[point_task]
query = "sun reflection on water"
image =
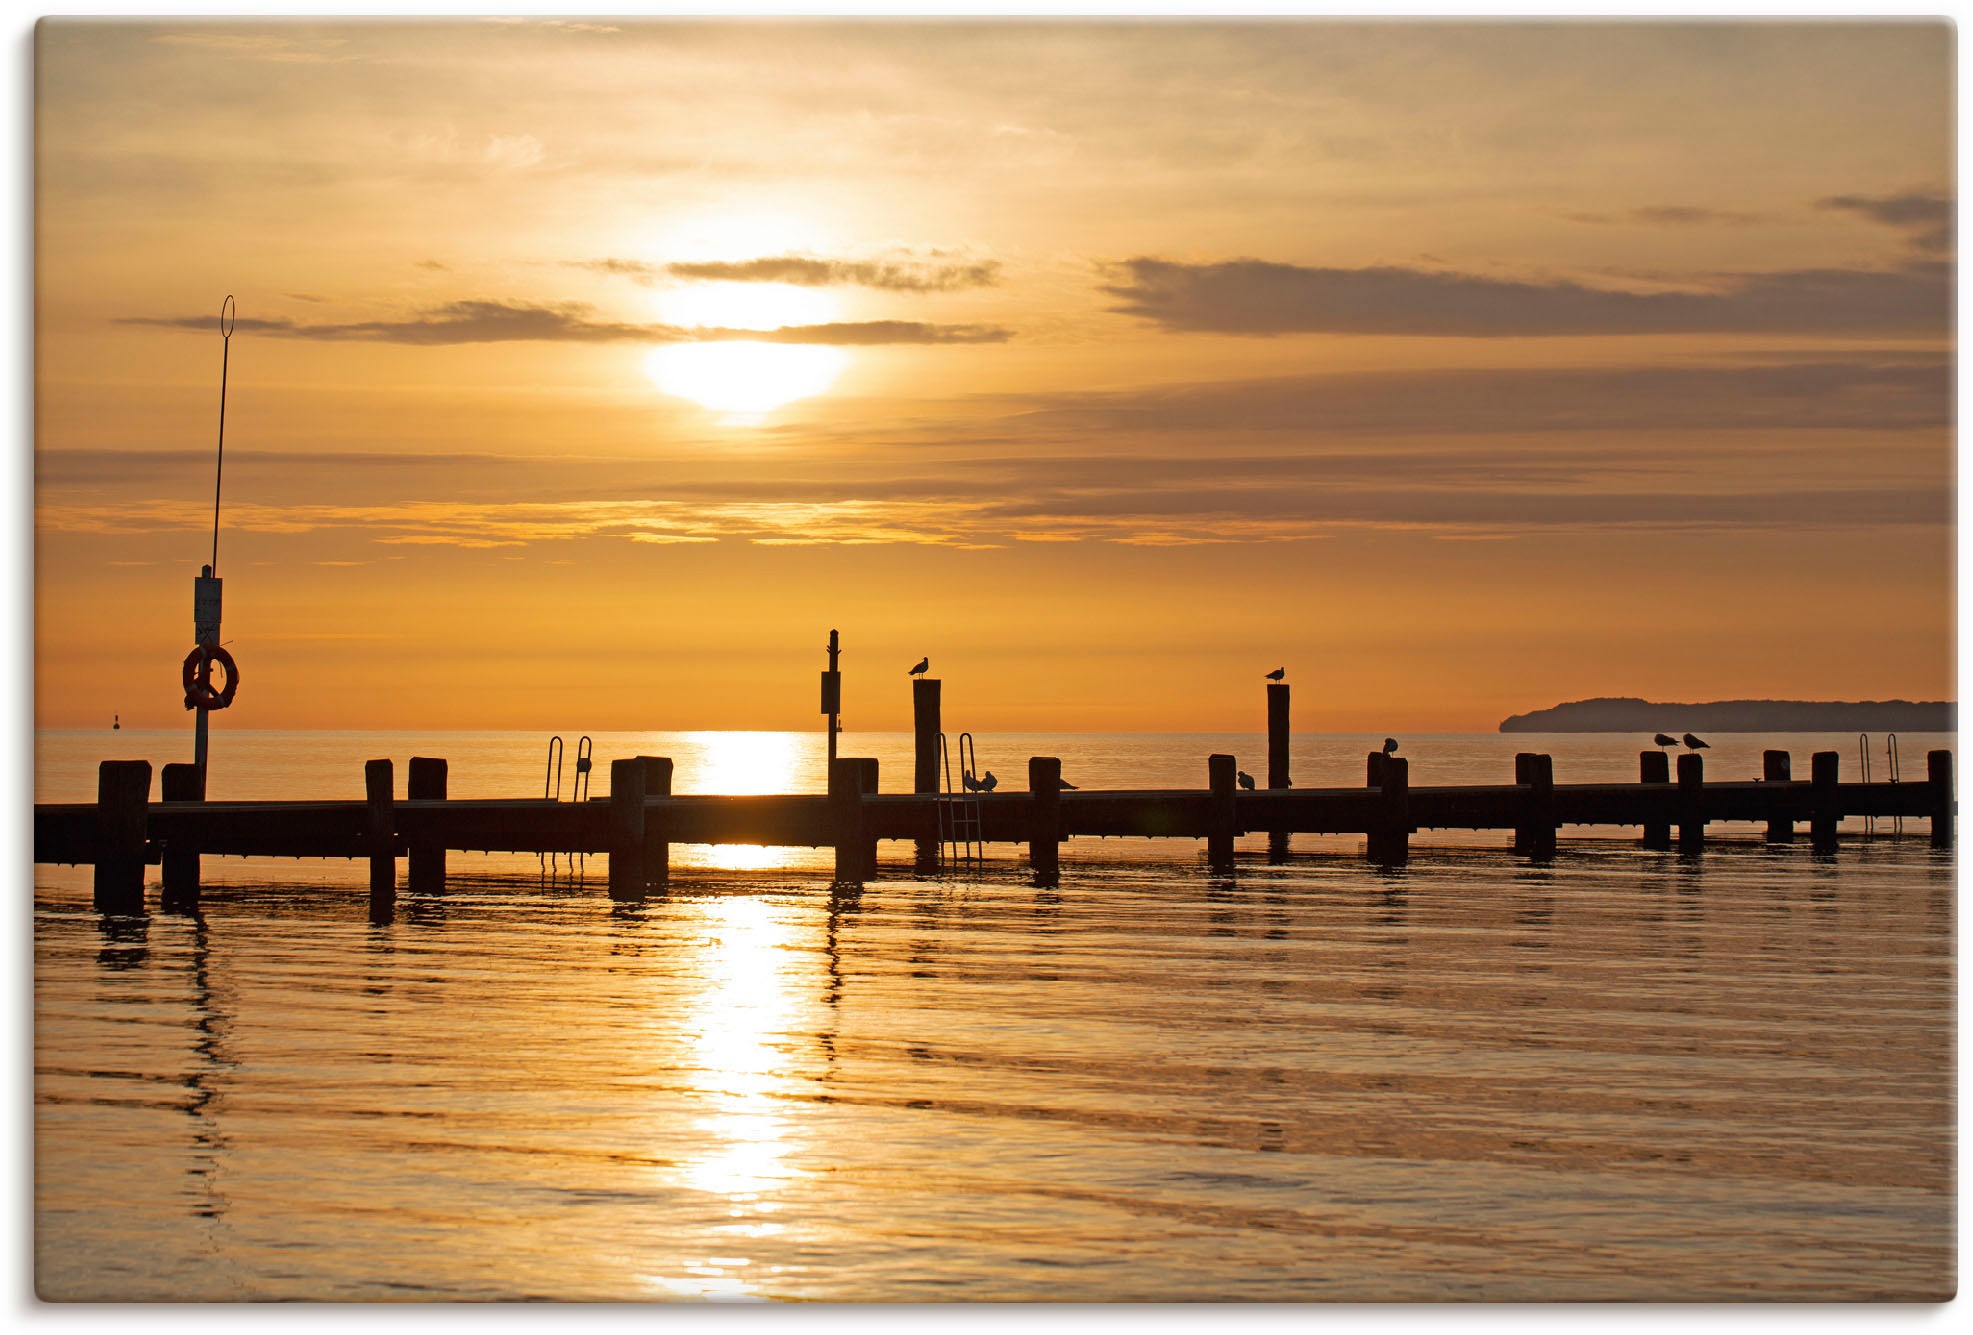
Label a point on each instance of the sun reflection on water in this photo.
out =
(740, 763)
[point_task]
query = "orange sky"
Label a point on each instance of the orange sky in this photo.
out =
(587, 374)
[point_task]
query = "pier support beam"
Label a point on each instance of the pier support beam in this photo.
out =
(123, 798)
(1824, 810)
(1524, 829)
(1045, 818)
(1691, 803)
(627, 829)
(925, 729)
(179, 867)
(380, 833)
(1390, 838)
(425, 781)
(1277, 759)
(1778, 767)
(1655, 767)
(1222, 781)
(657, 848)
(856, 852)
(1938, 774)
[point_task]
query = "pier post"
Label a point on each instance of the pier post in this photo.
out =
(1045, 818)
(1373, 770)
(1691, 802)
(657, 848)
(926, 727)
(1524, 830)
(1221, 782)
(1655, 767)
(1778, 767)
(424, 872)
(1541, 807)
(1277, 759)
(1389, 840)
(179, 867)
(1824, 810)
(1938, 773)
(856, 855)
(627, 829)
(380, 833)
(123, 797)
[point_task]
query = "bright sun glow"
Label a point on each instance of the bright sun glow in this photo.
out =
(742, 378)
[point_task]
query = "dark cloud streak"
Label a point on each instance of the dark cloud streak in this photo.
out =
(804, 271)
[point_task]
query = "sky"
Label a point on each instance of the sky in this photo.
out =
(586, 374)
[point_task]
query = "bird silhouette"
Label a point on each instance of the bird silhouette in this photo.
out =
(1390, 746)
(1277, 674)
(1695, 743)
(924, 666)
(989, 783)
(1246, 781)
(1662, 740)
(966, 779)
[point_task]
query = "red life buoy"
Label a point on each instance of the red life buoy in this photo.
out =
(197, 677)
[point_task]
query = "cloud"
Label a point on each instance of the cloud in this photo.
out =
(1669, 215)
(1257, 297)
(804, 271)
(484, 321)
(1926, 214)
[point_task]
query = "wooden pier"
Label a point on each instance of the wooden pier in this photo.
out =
(123, 830)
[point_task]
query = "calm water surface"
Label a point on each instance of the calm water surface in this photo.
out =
(1624, 1075)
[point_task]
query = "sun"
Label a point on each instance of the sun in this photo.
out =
(744, 379)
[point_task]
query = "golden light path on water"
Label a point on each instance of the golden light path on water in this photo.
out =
(742, 763)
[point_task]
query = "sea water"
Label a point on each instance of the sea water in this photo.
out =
(1624, 1074)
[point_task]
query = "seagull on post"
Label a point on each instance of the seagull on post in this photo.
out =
(1662, 740)
(1390, 746)
(1277, 674)
(1694, 743)
(924, 666)
(988, 784)
(1246, 781)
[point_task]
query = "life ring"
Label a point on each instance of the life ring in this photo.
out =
(197, 678)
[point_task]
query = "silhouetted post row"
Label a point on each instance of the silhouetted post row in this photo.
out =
(1778, 767)
(1045, 818)
(1655, 767)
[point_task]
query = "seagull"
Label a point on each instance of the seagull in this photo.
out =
(924, 666)
(1695, 743)
(1246, 781)
(966, 779)
(1277, 674)
(1390, 746)
(988, 784)
(1662, 740)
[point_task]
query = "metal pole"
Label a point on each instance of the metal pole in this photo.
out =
(226, 317)
(833, 651)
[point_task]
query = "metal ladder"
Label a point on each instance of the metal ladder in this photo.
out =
(959, 809)
(1890, 763)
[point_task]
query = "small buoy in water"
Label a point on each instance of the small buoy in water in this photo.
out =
(116, 723)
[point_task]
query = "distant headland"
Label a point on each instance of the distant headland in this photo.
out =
(1629, 714)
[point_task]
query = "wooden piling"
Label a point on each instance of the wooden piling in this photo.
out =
(657, 847)
(1045, 819)
(1938, 774)
(1222, 781)
(1691, 802)
(1655, 767)
(1541, 807)
(1389, 842)
(1373, 769)
(123, 797)
(1277, 758)
(1778, 767)
(179, 867)
(627, 829)
(856, 851)
(425, 781)
(926, 729)
(380, 834)
(1524, 829)
(1824, 810)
